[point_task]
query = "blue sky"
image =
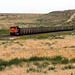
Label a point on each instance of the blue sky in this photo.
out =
(35, 6)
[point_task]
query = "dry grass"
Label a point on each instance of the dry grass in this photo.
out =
(44, 47)
(57, 18)
(30, 69)
(7, 20)
(31, 47)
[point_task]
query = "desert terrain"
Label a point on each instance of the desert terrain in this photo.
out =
(40, 54)
(21, 48)
(44, 47)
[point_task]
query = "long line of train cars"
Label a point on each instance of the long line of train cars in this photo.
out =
(15, 30)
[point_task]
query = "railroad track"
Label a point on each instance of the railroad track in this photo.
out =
(7, 37)
(13, 37)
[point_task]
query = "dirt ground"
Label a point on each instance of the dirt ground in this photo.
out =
(31, 47)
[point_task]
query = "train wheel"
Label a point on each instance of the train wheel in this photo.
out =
(12, 34)
(17, 34)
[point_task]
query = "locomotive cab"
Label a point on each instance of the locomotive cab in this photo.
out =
(14, 30)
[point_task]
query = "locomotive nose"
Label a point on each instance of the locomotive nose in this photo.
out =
(12, 29)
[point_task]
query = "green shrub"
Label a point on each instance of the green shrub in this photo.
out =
(68, 67)
(42, 36)
(38, 58)
(72, 47)
(3, 63)
(31, 69)
(65, 47)
(47, 43)
(56, 58)
(1, 68)
(72, 60)
(15, 61)
(43, 65)
(40, 20)
(65, 61)
(51, 68)
(55, 62)
(36, 63)
(45, 72)
(3, 42)
(4, 32)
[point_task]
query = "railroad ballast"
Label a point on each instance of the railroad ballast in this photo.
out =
(15, 30)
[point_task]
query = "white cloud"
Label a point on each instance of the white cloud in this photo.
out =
(35, 6)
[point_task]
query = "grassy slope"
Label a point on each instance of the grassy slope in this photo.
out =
(57, 35)
(54, 60)
(4, 32)
(55, 18)
(21, 20)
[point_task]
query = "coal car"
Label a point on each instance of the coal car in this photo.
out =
(15, 30)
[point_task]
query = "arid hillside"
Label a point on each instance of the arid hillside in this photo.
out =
(56, 18)
(17, 19)
(39, 54)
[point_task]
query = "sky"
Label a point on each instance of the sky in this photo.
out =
(35, 6)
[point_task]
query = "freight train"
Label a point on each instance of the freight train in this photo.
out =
(15, 30)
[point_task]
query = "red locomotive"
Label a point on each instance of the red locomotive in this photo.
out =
(14, 30)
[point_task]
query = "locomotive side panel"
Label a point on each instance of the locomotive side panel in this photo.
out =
(34, 30)
(49, 29)
(37, 30)
(73, 27)
(23, 31)
(53, 29)
(28, 30)
(46, 29)
(20, 31)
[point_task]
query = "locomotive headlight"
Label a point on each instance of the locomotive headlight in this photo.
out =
(12, 28)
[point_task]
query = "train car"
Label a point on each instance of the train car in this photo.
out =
(15, 30)
(73, 27)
